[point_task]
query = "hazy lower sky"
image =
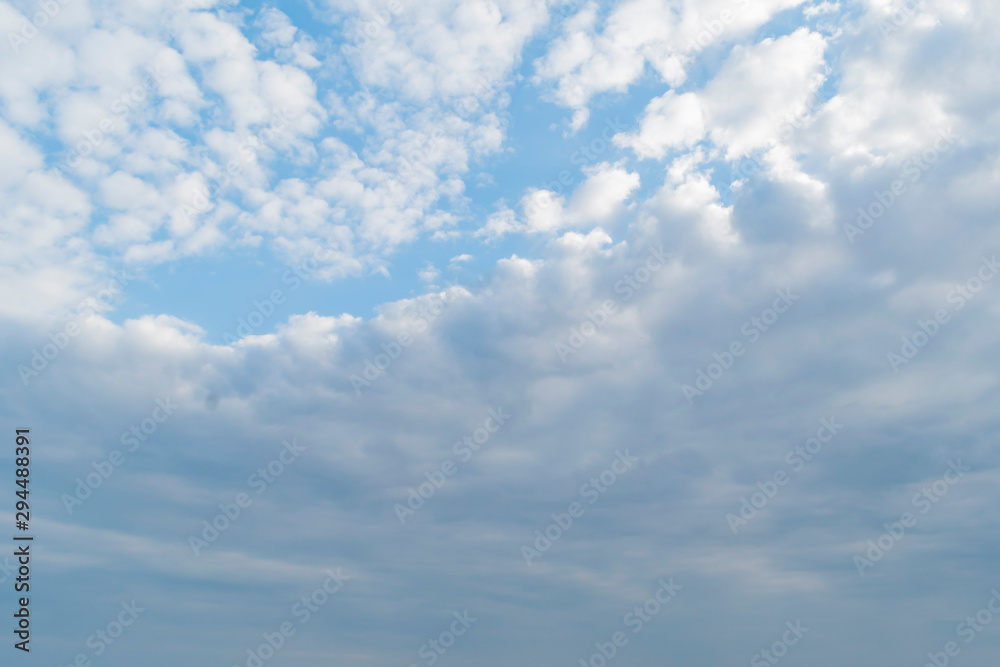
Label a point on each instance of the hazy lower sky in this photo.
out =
(503, 332)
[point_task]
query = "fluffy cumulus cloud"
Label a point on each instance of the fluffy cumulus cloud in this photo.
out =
(353, 318)
(607, 49)
(745, 106)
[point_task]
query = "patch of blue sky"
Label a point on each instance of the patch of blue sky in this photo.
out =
(538, 150)
(216, 291)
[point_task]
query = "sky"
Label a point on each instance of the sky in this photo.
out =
(382, 333)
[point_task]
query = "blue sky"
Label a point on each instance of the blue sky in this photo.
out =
(393, 394)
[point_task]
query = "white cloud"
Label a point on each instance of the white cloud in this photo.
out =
(598, 54)
(743, 107)
(669, 121)
(599, 199)
(389, 167)
(429, 273)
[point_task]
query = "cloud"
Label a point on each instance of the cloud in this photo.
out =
(586, 314)
(744, 107)
(599, 199)
(598, 53)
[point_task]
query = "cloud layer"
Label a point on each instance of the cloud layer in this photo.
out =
(769, 287)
